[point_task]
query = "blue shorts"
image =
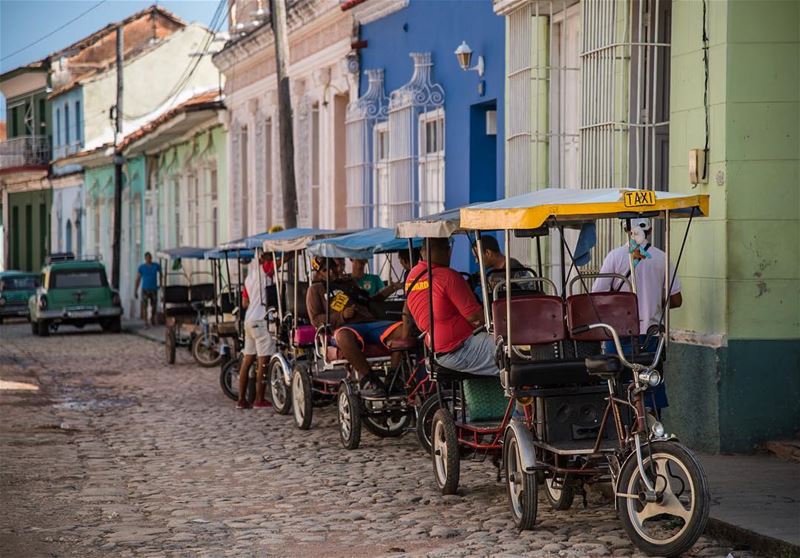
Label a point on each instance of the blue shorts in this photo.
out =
(370, 333)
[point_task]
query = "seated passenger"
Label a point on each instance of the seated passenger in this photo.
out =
(495, 263)
(345, 306)
(456, 314)
(370, 282)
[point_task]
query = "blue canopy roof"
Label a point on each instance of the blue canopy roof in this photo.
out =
(359, 245)
(187, 252)
(232, 253)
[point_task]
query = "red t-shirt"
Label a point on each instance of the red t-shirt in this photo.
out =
(453, 301)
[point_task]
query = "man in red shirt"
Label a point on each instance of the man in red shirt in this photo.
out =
(456, 314)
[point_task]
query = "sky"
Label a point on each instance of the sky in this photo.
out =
(23, 22)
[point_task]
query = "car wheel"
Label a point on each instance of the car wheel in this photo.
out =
(35, 328)
(44, 328)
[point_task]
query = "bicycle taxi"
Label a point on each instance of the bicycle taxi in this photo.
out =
(294, 336)
(392, 410)
(228, 271)
(583, 420)
(187, 299)
(471, 408)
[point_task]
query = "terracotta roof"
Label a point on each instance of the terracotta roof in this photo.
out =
(203, 101)
(112, 27)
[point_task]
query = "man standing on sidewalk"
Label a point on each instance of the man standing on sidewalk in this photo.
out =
(258, 342)
(148, 277)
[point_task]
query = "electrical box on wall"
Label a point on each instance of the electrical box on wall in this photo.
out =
(698, 172)
(491, 122)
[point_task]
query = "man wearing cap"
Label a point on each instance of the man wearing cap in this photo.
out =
(644, 265)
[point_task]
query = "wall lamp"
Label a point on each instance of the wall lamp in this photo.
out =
(464, 55)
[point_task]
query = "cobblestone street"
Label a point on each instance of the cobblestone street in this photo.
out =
(118, 454)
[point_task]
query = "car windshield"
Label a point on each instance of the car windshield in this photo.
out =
(67, 279)
(22, 283)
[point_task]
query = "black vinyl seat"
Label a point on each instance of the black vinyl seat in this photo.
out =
(548, 373)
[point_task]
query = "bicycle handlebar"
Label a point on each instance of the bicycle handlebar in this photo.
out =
(618, 344)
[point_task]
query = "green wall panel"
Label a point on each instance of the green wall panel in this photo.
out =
(764, 309)
(763, 190)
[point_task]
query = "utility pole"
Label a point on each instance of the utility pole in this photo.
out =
(281, 34)
(115, 256)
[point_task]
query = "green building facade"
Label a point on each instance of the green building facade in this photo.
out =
(734, 375)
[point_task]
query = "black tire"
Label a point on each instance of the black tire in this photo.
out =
(280, 393)
(425, 421)
(560, 497)
(44, 328)
(169, 345)
(348, 417)
(34, 328)
(685, 473)
(388, 427)
(445, 454)
(207, 356)
(302, 398)
(229, 378)
(521, 487)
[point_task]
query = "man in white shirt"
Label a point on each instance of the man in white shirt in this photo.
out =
(258, 341)
(649, 266)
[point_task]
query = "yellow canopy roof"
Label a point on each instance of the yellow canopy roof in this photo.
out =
(533, 210)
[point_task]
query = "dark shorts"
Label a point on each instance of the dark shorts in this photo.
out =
(150, 295)
(371, 333)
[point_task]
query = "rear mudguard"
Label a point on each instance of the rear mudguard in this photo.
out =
(525, 442)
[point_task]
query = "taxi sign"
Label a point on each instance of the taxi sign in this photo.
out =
(639, 198)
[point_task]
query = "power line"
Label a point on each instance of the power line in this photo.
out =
(53, 32)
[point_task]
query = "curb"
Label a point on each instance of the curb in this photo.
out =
(769, 546)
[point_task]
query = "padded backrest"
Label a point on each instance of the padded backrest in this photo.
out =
(176, 294)
(227, 302)
(202, 292)
(302, 288)
(535, 319)
(620, 310)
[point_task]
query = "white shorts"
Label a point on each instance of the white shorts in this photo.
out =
(257, 339)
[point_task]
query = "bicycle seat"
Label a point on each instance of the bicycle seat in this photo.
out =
(605, 366)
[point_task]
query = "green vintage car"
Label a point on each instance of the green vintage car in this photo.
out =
(74, 292)
(16, 287)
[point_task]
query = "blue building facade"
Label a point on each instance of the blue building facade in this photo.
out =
(425, 135)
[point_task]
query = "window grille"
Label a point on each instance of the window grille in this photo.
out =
(362, 171)
(315, 161)
(235, 195)
(259, 205)
(244, 146)
(303, 156)
(588, 98)
(431, 162)
(214, 205)
(382, 214)
(420, 95)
